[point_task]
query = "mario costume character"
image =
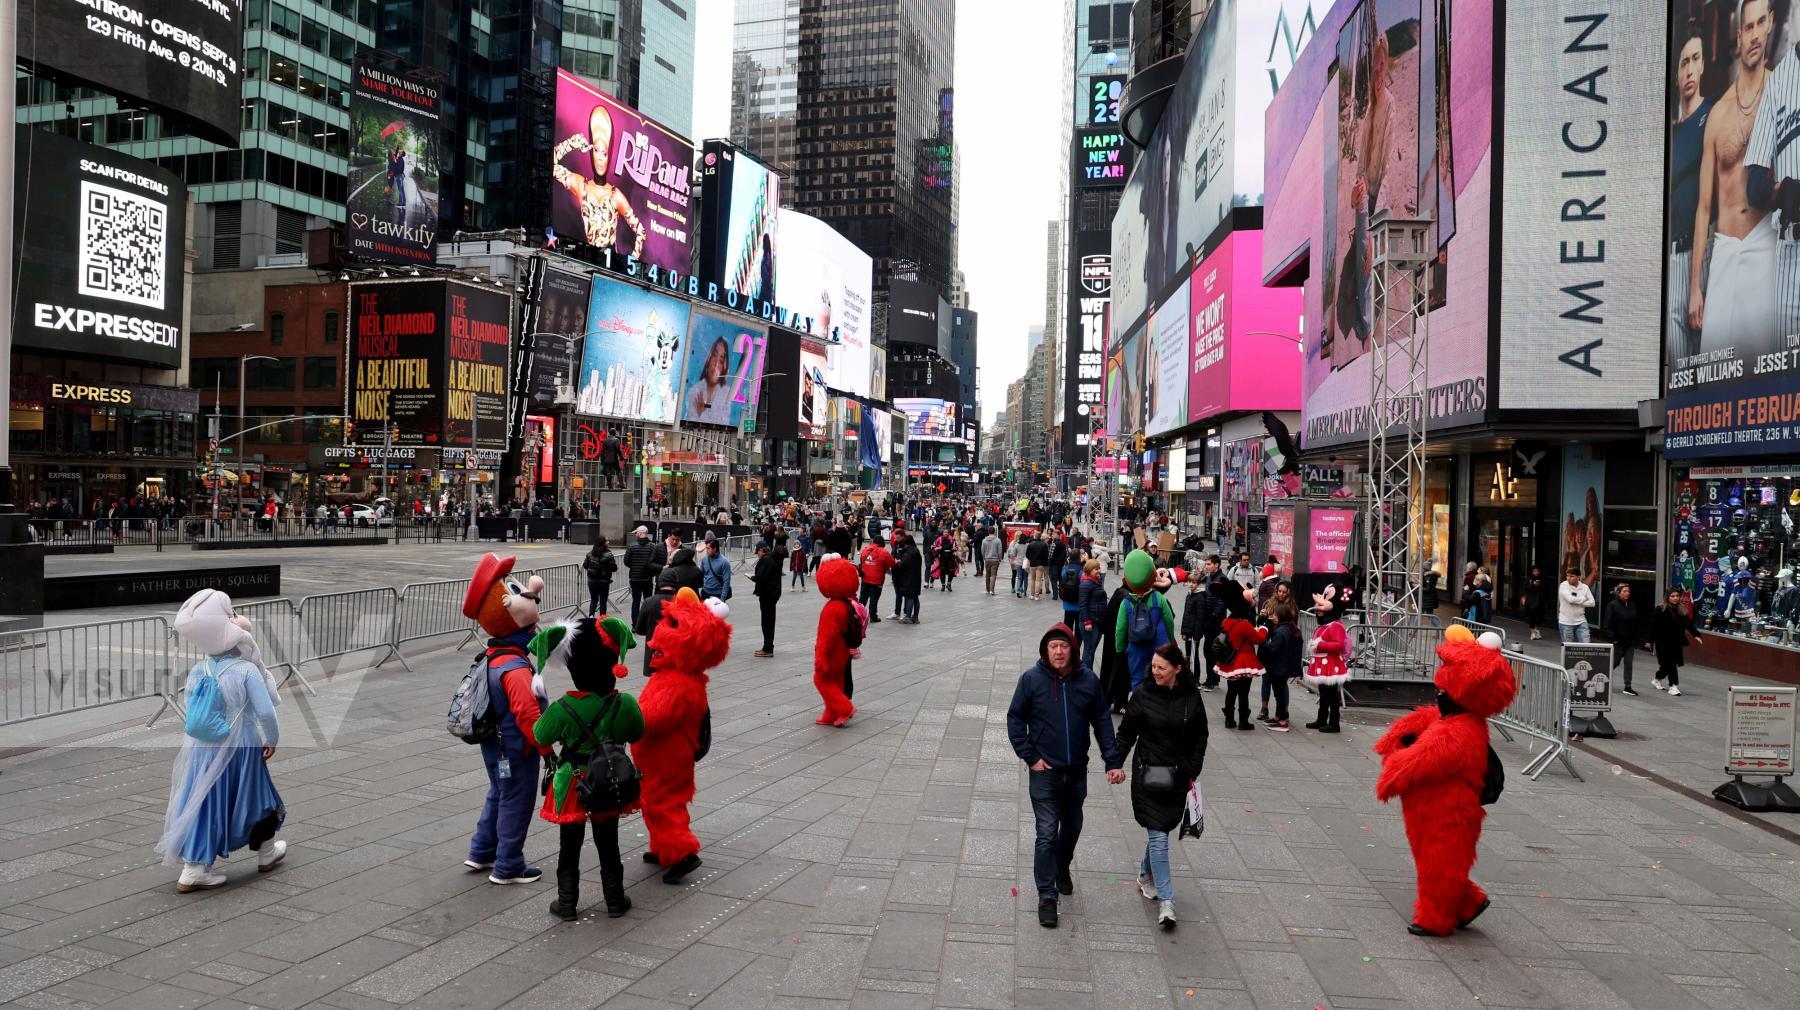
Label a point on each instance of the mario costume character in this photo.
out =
(507, 610)
(1437, 761)
(1145, 622)
(840, 633)
(595, 712)
(1241, 630)
(692, 637)
(1328, 670)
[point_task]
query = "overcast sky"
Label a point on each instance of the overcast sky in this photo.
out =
(1008, 129)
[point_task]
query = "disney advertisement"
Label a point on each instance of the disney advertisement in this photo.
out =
(624, 182)
(632, 359)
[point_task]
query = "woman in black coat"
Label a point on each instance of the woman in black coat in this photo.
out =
(1669, 629)
(1166, 723)
(1115, 676)
(908, 567)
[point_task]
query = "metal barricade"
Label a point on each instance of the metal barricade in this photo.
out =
(564, 586)
(54, 671)
(430, 609)
(337, 624)
(276, 627)
(1478, 628)
(1541, 711)
(1400, 649)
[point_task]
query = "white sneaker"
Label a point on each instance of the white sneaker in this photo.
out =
(1674, 692)
(198, 877)
(1536, 635)
(1147, 887)
(1660, 684)
(1165, 915)
(271, 853)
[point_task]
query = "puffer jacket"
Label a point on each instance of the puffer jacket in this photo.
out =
(1166, 726)
(643, 559)
(1090, 603)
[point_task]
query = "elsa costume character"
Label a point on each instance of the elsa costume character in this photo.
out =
(220, 795)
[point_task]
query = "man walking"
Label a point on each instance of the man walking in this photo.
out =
(874, 565)
(1015, 560)
(767, 578)
(1056, 704)
(1037, 557)
(990, 558)
(1212, 617)
(643, 559)
(1573, 598)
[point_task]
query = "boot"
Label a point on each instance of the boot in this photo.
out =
(612, 885)
(568, 895)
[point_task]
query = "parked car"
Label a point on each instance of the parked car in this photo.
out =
(365, 515)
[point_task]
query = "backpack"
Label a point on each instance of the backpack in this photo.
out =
(1069, 588)
(1219, 649)
(610, 781)
(1140, 623)
(704, 744)
(205, 717)
(1494, 781)
(857, 626)
(473, 717)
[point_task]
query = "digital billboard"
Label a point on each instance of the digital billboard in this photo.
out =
(1582, 255)
(1245, 337)
(181, 57)
(1090, 316)
(395, 164)
(1103, 94)
(562, 310)
(1102, 158)
(426, 357)
(631, 359)
(825, 285)
(623, 180)
(724, 370)
(1166, 365)
(1732, 332)
(1125, 385)
(479, 332)
(913, 315)
(741, 200)
(814, 396)
(928, 418)
(98, 243)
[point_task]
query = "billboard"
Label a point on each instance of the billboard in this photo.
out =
(741, 200)
(826, 279)
(1102, 158)
(724, 371)
(913, 315)
(1166, 365)
(1090, 320)
(427, 357)
(1582, 255)
(1245, 337)
(395, 163)
(814, 398)
(928, 418)
(1125, 385)
(180, 57)
(623, 180)
(475, 385)
(1732, 330)
(98, 243)
(562, 310)
(631, 360)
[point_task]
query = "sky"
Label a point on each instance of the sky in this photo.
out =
(1008, 132)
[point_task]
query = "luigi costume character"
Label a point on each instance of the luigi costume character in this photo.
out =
(577, 725)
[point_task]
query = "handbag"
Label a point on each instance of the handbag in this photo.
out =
(1158, 778)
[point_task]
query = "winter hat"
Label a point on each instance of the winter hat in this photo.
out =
(1268, 571)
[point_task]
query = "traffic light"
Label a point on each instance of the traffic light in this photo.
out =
(1139, 442)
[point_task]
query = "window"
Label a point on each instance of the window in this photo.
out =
(321, 373)
(277, 374)
(331, 327)
(277, 328)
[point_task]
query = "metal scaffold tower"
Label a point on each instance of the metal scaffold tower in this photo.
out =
(1398, 384)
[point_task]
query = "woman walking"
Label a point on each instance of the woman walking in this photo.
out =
(221, 797)
(1165, 722)
(599, 566)
(947, 561)
(1533, 601)
(907, 572)
(1091, 611)
(1668, 634)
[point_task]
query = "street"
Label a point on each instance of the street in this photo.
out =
(886, 864)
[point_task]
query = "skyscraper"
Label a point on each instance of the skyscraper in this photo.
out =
(765, 74)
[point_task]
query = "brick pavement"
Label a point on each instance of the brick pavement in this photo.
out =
(875, 866)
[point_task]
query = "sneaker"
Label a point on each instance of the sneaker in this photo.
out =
(476, 864)
(1165, 915)
(1047, 913)
(1674, 692)
(1147, 886)
(1660, 684)
(762, 654)
(1535, 635)
(1065, 882)
(529, 875)
(1262, 716)
(1278, 725)
(198, 877)
(1629, 691)
(271, 853)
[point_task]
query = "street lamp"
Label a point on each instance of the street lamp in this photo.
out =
(244, 359)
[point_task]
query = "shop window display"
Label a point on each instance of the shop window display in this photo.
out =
(1733, 550)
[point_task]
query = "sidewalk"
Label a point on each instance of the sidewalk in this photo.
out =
(876, 866)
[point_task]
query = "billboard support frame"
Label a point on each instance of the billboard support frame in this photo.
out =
(1399, 381)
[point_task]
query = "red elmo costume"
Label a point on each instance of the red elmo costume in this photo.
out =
(837, 581)
(690, 639)
(1435, 760)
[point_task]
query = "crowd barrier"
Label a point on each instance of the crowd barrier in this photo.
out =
(53, 671)
(1541, 711)
(361, 620)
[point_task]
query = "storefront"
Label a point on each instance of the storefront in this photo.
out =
(93, 443)
(1732, 548)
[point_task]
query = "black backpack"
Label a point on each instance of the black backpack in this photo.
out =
(1495, 779)
(610, 781)
(1070, 586)
(853, 628)
(1219, 649)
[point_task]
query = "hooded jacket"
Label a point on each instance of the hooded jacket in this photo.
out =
(1051, 717)
(685, 572)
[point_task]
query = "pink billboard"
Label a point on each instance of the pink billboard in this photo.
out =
(1244, 339)
(1329, 532)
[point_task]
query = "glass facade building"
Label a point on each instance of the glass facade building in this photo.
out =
(765, 81)
(664, 75)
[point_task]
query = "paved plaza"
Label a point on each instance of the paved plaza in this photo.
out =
(886, 864)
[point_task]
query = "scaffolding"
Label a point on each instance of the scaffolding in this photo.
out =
(1398, 386)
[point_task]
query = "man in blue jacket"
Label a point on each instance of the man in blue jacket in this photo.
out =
(1053, 709)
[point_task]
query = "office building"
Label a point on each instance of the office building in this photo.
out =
(765, 75)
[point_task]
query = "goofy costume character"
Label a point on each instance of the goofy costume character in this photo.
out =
(507, 610)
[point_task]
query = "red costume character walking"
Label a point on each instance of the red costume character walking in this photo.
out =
(691, 638)
(838, 624)
(1436, 761)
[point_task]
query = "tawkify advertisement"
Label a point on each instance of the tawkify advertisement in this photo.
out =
(1732, 333)
(623, 180)
(397, 362)
(395, 164)
(814, 393)
(724, 371)
(1166, 365)
(98, 240)
(1246, 338)
(562, 310)
(1329, 532)
(631, 360)
(825, 285)
(479, 331)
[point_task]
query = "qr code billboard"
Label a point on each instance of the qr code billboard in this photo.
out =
(124, 246)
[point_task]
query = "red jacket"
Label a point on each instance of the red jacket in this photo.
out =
(874, 564)
(1244, 638)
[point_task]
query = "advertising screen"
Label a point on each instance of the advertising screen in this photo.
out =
(724, 370)
(747, 242)
(562, 310)
(426, 357)
(1245, 337)
(826, 278)
(814, 396)
(395, 163)
(1732, 333)
(1102, 158)
(1329, 532)
(623, 180)
(1581, 324)
(1090, 318)
(928, 418)
(631, 359)
(181, 57)
(1125, 386)
(1103, 94)
(913, 315)
(98, 239)
(1166, 365)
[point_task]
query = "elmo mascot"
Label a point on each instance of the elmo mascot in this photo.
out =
(1437, 761)
(839, 627)
(1328, 670)
(691, 638)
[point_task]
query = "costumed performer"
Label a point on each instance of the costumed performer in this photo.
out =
(1328, 669)
(692, 637)
(839, 636)
(1241, 630)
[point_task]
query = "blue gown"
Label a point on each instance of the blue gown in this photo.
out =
(244, 795)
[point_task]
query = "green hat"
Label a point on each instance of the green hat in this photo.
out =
(1140, 569)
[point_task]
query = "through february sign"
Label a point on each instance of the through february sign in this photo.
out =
(1760, 731)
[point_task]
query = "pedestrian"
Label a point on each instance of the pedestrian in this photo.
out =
(1090, 610)
(715, 573)
(1267, 583)
(1244, 665)
(1146, 622)
(508, 613)
(1428, 593)
(644, 624)
(584, 719)
(1165, 723)
(1280, 655)
(1467, 600)
(948, 560)
(1193, 619)
(1533, 601)
(643, 560)
(1669, 631)
(1212, 617)
(873, 565)
(908, 572)
(1622, 623)
(221, 797)
(1481, 599)
(1037, 556)
(766, 577)
(599, 566)
(1572, 600)
(685, 570)
(991, 551)
(1058, 702)
(1068, 590)
(1241, 572)
(1016, 563)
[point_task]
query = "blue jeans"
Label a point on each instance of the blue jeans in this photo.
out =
(1090, 644)
(1056, 799)
(1156, 863)
(909, 606)
(1573, 632)
(506, 815)
(1018, 579)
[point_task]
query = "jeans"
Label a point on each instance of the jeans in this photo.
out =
(1056, 798)
(909, 607)
(506, 815)
(1156, 863)
(1090, 644)
(993, 572)
(1072, 618)
(597, 595)
(767, 603)
(1573, 632)
(640, 591)
(1018, 579)
(1279, 687)
(799, 575)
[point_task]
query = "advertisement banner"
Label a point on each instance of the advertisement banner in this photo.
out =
(1281, 539)
(479, 332)
(98, 241)
(1102, 158)
(397, 362)
(395, 163)
(1588, 667)
(814, 393)
(630, 361)
(913, 311)
(1090, 319)
(562, 310)
(724, 371)
(1125, 386)
(825, 285)
(1583, 483)
(179, 57)
(1329, 532)
(1166, 365)
(1759, 730)
(743, 251)
(623, 180)
(928, 418)
(1245, 336)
